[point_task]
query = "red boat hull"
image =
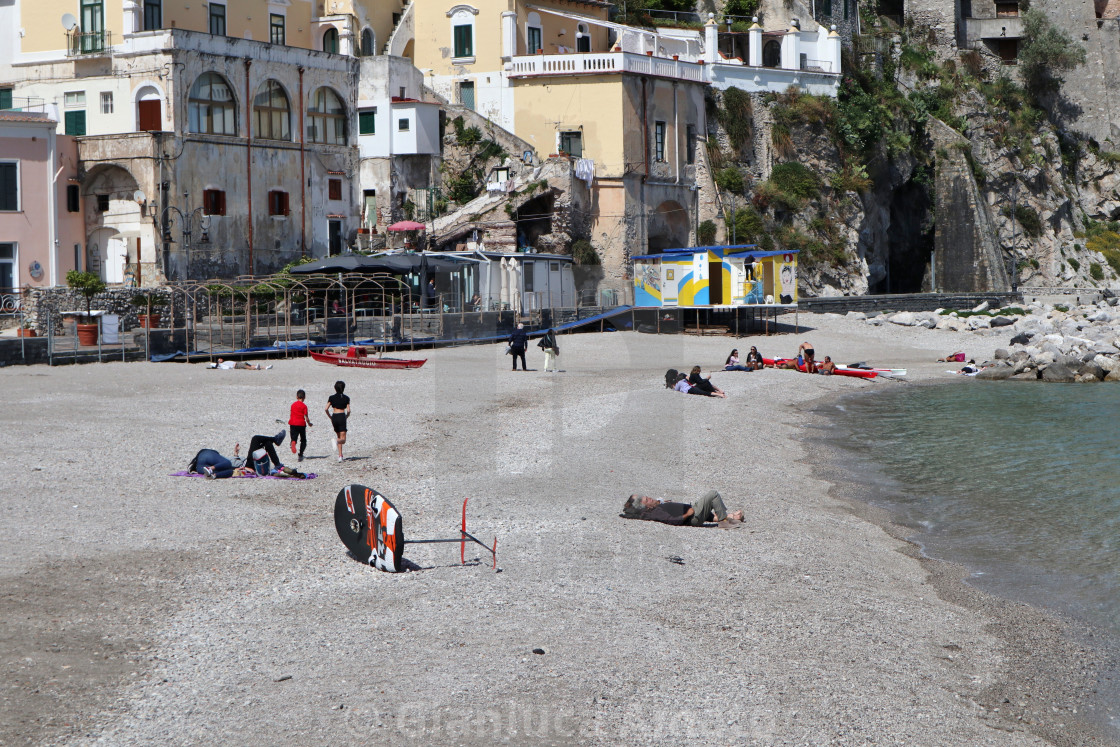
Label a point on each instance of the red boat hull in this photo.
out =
(858, 373)
(366, 362)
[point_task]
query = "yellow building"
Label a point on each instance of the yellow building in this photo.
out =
(626, 102)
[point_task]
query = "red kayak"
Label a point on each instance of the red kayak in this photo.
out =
(859, 373)
(357, 357)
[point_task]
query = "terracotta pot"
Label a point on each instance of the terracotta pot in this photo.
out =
(21, 332)
(149, 321)
(87, 334)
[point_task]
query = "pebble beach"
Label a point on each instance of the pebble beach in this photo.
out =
(138, 608)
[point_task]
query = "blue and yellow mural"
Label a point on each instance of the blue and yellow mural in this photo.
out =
(716, 276)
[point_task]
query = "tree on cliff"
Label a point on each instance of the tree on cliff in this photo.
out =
(1046, 52)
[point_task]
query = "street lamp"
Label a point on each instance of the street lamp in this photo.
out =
(186, 220)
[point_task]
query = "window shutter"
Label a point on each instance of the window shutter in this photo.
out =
(9, 189)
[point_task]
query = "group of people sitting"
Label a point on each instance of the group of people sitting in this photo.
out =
(262, 460)
(692, 383)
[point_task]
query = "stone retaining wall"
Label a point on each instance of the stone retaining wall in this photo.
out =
(906, 302)
(41, 303)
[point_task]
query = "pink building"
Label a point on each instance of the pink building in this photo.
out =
(42, 231)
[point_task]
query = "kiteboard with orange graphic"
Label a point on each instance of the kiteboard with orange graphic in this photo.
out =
(372, 530)
(370, 527)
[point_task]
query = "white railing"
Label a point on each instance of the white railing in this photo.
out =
(611, 62)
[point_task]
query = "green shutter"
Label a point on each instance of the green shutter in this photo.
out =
(9, 189)
(464, 41)
(76, 123)
(5, 98)
(367, 123)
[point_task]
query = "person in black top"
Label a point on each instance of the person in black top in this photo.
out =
(709, 507)
(551, 350)
(698, 381)
(518, 341)
(754, 358)
(338, 409)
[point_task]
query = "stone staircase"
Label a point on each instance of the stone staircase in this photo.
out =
(403, 32)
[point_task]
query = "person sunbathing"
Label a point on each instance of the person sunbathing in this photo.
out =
(708, 507)
(828, 367)
(684, 387)
(215, 466)
(698, 381)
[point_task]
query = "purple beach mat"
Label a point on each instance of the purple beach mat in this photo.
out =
(185, 473)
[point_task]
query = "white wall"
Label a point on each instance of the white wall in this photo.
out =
(422, 137)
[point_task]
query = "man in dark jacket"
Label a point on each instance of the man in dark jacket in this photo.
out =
(518, 341)
(708, 508)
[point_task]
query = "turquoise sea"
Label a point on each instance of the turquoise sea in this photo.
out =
(1018, 482)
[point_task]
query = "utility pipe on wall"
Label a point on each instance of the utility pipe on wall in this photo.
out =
(302, 174)
(249, 160)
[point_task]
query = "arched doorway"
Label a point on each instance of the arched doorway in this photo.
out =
(113, 222)
(667, 227)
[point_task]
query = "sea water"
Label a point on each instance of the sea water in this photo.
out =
(1019, 482)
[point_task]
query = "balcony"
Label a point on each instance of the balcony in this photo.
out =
(548, 65)
(24, 104)
(990, 29)
(88, 43)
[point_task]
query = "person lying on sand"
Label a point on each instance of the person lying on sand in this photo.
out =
(704, 384)
(229, 365)
(957, 357)
(708, 508)
(215, 466)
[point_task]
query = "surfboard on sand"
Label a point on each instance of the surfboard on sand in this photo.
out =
(370, 527)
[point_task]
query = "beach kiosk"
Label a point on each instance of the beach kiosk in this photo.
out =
(716, 276)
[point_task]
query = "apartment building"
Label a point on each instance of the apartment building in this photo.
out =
(213, 141)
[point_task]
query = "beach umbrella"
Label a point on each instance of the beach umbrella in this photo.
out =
(394, 264)
(337, 263)
(406, 225)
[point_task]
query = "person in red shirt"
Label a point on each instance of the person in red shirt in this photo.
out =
(299, 422)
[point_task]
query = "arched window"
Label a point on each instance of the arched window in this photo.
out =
(771, 54)
(272, 112)
(583, 38)
(211, 108)
(462, 31)
(368, 43)
(326, 118)
(534, 35)
(330, 40)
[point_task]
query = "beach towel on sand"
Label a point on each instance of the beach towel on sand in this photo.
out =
(186, 473)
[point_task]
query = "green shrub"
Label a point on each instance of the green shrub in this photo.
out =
(735, 116)
(584, 254)
(1027, 218)
(748, 226)
(796, 179)
(1074, 264)
(1096, 272)
(1044, 52)
(730, 179)
(706, 233)
(853, 178)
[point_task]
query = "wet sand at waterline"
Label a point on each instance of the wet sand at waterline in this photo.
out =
(140, 608)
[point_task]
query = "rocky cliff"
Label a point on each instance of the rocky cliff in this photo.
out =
(935, 169)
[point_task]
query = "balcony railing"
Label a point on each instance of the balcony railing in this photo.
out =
(25, 104)
(81, 43)
(610, 62)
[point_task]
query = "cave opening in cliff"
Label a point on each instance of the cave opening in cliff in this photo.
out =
(909, 241)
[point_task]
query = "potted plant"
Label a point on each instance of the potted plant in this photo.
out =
(148, 303)
(25, 330)
(89, 285)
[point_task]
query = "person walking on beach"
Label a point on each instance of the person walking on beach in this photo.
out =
(338, 410)
(299, 422)
(707, 508)
(518, 341)
(551, 351)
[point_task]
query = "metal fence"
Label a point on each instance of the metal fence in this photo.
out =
(279, 316)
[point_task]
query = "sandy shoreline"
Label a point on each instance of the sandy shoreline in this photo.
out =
(140, 608)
